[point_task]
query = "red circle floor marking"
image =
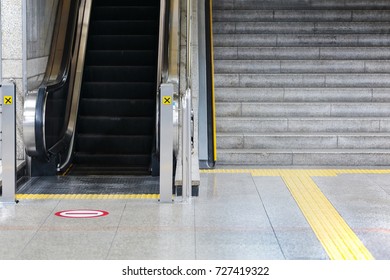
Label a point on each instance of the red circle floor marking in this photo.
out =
(81, 213)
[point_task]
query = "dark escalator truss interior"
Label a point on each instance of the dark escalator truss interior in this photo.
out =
(116, 121)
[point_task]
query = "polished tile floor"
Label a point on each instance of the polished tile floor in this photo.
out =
(236, 216)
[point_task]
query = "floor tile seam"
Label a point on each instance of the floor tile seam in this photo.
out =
(38, 230)
(378, 185)
(269, 219)
(116, 232)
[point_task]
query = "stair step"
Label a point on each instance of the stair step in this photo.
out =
(300, 4)
(309, 125)
(294, 40)
(302, 95)
(301, 66)
(316, 157)
(300, 28)
(303, 141)
(302, 80)
(300, 15)
(303, 52)
(262, 109)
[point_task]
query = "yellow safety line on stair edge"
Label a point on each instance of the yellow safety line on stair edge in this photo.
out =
(214, 117)
(335, 235)
(87, 196)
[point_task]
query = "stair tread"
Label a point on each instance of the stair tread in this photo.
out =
(305, 134)
(308, 151)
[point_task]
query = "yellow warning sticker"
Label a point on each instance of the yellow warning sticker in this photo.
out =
(7, 100)
(167, 100)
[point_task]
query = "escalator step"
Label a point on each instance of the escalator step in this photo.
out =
(126, 2)
(117, 144)
(121, 58)
(118, 90)
(124, 27)
(117, 107)
(116, 120)
(120, 73)
(122, 42)
(116, 126)
(125, 13)
(113, 160)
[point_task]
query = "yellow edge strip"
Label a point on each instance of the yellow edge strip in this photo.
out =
(337, 238)
(87, 196)
(212, 81)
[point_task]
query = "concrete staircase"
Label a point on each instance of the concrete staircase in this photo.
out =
(302, 82)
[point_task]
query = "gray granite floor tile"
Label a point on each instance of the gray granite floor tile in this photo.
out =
(82, 244)
(294, 234)
(133, 243)
(12, 241)
(236, 244)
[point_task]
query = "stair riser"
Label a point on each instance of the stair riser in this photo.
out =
(304, 159)
(294, 53)
(300, 15)
(300, 66)
(299, 4)
(302, 80)
(303, 142)
(300, 27)
(301, 95)
(302, 110)
(303, 125)
(309, 40)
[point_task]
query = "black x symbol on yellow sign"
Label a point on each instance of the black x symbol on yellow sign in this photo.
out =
(7, 100)
(167, 100)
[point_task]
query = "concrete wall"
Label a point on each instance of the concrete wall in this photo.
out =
(12, 56)
(1, 101)
(26, 32)
(40, 23)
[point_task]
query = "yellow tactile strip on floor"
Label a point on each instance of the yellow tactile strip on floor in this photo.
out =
(337, 238)
(87, 196)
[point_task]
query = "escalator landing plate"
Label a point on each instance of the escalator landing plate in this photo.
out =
(94, 185)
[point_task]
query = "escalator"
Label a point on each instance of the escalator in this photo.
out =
(116, 117)
(92, 127)
(96, 111)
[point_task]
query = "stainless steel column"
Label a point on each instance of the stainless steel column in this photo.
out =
(9, 143)
(186, 146)
(166, 143)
